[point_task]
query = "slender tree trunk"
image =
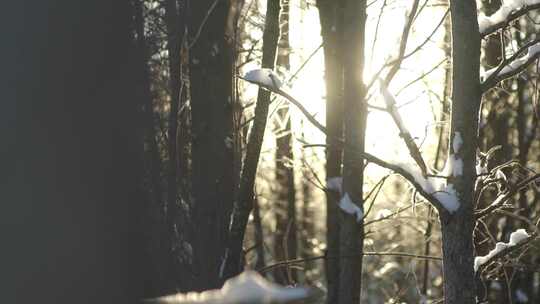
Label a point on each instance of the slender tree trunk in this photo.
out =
(156, 244)
(307, 232)
(331, 18)
(352, 229)
(172, 22)
(457, 228)
(258, 235)
(285, 240)
(211, 81)
(233, 258)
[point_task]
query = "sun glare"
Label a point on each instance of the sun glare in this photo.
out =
(418, 86)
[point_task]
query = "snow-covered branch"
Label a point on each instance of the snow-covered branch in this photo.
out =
(247, 288)
(508, 12)
(517, 238)
(266, 78)
(403, 131)
(442, 197)
(512, 65)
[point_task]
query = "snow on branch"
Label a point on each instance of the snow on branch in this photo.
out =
(414, 176)
(517, 237)
(512, 65)
(403, 131)
(264, 77)
(509, 11)
(435, 188)
(247, 288)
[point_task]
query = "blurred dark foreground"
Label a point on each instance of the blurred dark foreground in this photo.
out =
(70, 204)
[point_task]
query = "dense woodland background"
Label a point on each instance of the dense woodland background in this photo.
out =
(141, 168)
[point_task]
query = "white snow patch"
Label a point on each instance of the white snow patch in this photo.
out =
(335, 184)
(453, 166)
(516, 238)
(448, 198)
(390, 101)
(533, 50)
(500, 16)
(383, 213)
(480, 168)
(429, 184)
(457, 142)
(500, 175)
(347, 205)
(443, 191)
(264, 77)
(521, 296)
(247, 288)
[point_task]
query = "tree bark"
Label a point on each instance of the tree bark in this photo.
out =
(457, 228)
(285, 240)
(352, 229)
(258, 235)
(331, 18)
(157, 283)
(211, 81)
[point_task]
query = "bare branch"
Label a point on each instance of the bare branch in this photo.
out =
(403, 43)
(512, 65)
(369, 157)
(325, 257)
(501, 200)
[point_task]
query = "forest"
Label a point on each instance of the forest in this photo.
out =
(277, 151)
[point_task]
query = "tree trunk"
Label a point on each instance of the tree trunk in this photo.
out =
(457, 228)
(211, 75)
(285, 240)
(352, 229)
(157, 283)
(258, 235)
(331, 18)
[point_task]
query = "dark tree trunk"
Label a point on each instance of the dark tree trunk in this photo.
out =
(258, 235)
(211, 82)
(285, 240)
(157, 248)
(176, 219)
(457, 228)
(352, 229)
(331, 18)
